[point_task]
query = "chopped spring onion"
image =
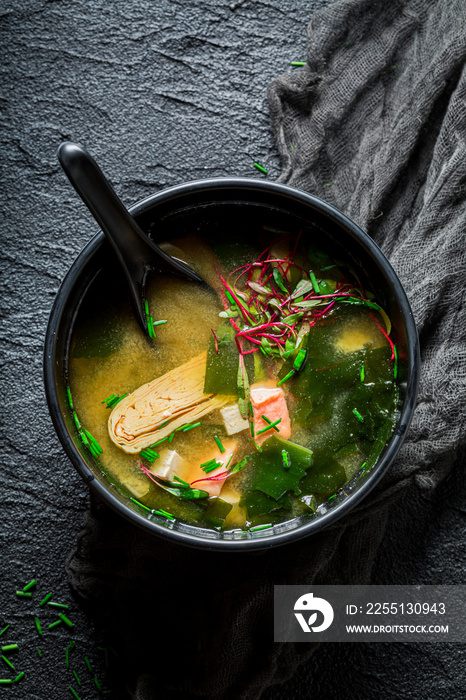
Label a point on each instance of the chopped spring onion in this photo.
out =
(58, 605)
(64, 619)
(261, 168)
(260, 527)
(149, 455)
(271, 425)
(219, 444)
(358, 415)
(285, 378)
(31, 584)
(46, 599)
(54, 624)
(76, 677)
(8, 662)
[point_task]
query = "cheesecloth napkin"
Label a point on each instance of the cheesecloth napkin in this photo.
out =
(375, 123)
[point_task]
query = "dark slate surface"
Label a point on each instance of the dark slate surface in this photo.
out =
(160, 93)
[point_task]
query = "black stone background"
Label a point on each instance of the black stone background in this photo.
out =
(161, 93)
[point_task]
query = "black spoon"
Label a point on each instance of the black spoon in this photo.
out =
(134, 249)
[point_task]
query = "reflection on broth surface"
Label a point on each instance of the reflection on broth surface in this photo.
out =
(252, 405)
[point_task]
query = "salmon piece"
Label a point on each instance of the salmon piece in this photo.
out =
(193, 473)
(269, 401)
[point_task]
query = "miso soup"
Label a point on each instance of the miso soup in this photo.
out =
(254, 401)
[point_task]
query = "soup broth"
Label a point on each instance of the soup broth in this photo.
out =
(253, 403)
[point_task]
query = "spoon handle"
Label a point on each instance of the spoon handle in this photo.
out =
(133, 248)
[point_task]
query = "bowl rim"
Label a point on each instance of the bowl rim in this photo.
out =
(261, 541)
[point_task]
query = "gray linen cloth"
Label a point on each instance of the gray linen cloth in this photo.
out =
(375, 123)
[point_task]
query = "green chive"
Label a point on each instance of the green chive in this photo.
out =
(358, 415)
(314, 282)
(38, 627)
(5, 681)
(251, 425)
(70, 400)
(149, 455)
(171, 437)
(228, 463)
(363, 469)
(150, 324)
(10, 647)
(97, 684)
(71, 645)
(260, 527)
(219, 444)
(65, 620)
(22, 594)
(139, 504)
(158, 323)
(164, 514)
(395, 367)
(209, 466)
(286, 459)
(162, 425)
(4, 630)
(77, 679)
(19, 676)
(46, 599)
(159, 441)
(185, 483)
(282, 381)
(39, 653)
(299, 360)
(298, 63)
(361, 373)
(31, 584)
(74, 693)
(8, 662)
(330, 497)
(58, 605)
(190, 426)
(93, 441)
(146, 307)
(54, 624)
(88, 664)
(260, 167)
(269, 427)
(256, 445)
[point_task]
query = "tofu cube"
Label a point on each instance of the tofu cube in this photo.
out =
(167, 464)
(233, 420)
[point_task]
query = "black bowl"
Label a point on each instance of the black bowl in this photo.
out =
(228, 205)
